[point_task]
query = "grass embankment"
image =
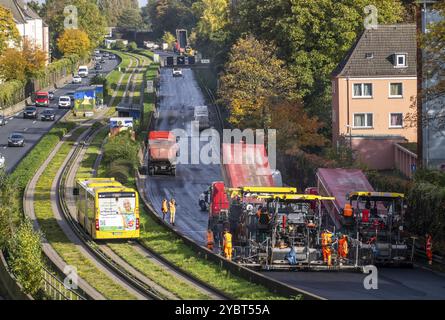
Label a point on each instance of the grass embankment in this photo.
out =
(57, 238)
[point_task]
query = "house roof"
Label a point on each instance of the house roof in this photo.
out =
(382, 43)
(20, 10)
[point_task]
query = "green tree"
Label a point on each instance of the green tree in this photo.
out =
(169, 15)
(169, 39)
(119, 45)
(74, 41)
(8, 30)
(130, 19)
(132, 46)
(313, 36)
(25, 257)
(112, 9)
(254, 77)
(89, 19)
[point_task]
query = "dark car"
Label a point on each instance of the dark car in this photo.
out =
(48, 114)
(51, 95)
(98, 67)
(112, 57)
(16, 140)
(30, 113)
(71, 95)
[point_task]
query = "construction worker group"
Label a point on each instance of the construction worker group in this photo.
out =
(327, 244)
(169, 206)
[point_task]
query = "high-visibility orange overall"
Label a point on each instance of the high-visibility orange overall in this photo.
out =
(210, 240)
(326, 241)
(429, 249)
(228, 245)
(343, 247)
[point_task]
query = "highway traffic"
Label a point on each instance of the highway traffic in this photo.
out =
(34, 129)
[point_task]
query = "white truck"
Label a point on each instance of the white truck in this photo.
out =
(201, 115)
(83, 71)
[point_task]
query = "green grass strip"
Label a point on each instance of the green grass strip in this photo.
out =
(93, 151)
(59, 241)
(157, 274)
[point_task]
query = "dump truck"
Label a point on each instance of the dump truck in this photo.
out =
(163, 151)
(181, 40)
(374, 219)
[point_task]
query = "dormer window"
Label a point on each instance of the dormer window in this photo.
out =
(400, 60)
(369, 55)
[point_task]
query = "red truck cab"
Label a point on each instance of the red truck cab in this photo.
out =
(41, 99)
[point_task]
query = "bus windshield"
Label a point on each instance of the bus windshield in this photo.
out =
(117, 211)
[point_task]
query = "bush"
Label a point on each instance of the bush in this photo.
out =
(120, 172)
(11, 92)
(25, 257)
(121, 147)
(132, 47)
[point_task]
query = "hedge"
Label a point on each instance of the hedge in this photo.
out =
(12, 92)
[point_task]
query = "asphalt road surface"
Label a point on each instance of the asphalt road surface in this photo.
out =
(32, 129)
(177, 97)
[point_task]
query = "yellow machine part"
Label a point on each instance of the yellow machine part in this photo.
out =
(367, 194)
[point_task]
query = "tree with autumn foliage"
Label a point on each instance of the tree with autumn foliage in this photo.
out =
(295, 129)
(254, 78)
(9, 34)
(22, 64)
(74, 42)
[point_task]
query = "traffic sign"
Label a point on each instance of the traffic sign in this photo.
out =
(206, 61)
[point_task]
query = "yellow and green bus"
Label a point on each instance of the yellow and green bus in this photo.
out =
(106, 209)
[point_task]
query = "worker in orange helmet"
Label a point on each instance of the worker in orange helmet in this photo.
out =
(227, 244)
(429, 248)
(210, 239)
(326, 241)
(343, 249)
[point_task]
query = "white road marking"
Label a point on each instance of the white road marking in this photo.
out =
(17, 114)
(25, 129)
(34, 122)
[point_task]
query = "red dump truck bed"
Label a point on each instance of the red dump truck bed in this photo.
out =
(338, 183)
(246, 165)
(162, 152)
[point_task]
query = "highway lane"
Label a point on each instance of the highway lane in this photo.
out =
(178, 96)
(32, 129)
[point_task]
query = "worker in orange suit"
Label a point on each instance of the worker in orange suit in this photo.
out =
(326, 241)
(228, 244)
(210, 239)
(164, 208)
(429, 248)
(343, 249)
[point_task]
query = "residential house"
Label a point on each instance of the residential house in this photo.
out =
(373, 90)
(31, 27)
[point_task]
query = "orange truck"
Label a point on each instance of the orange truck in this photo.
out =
(163, 151)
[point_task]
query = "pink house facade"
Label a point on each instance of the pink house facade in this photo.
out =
(373, 91)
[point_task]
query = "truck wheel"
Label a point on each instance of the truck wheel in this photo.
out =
(151, 171)
(173, 172)
(203, 206)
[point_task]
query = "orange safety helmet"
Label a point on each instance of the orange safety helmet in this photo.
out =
(347, 211)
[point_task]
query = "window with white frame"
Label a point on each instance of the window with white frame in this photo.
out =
(396, 90)
(396, 120)
(362, 90)
(363, 120)
(400, 60)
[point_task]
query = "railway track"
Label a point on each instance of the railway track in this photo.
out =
(102, 250)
